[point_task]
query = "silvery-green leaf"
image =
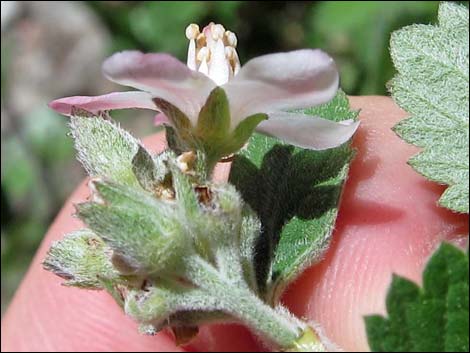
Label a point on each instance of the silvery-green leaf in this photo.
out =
(432, 85)
(104, 149)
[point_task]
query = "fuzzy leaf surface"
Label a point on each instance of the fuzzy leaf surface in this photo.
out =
(104, 149)
(432, 85)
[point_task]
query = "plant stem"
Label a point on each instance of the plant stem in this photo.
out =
(279, 329)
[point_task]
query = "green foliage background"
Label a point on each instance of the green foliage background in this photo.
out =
(36, 170)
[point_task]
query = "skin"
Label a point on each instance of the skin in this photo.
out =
(388, 223)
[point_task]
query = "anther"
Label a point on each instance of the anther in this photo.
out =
(217, 31)
(231, 39)
(192, 31)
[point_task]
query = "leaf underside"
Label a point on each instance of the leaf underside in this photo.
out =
(93, 136)
(429, 319)
(432, 85)
(295, 193)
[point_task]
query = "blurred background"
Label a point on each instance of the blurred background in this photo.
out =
(55, 49)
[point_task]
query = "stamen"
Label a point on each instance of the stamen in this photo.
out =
(201, 41)
(192, 31)
(203, 57)
(234, 61)
(203, 54)
(229, 53)
(213, 52)
(230, 39)
(217, 32)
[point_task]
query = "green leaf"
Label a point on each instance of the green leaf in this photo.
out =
(431, 319)
(104, 149)
(432, 85)
(81, 258)
(295, 194)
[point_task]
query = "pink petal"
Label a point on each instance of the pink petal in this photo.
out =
(293, 80)
(160, 119)
(163, 76)
(116, 100)
(307, 131)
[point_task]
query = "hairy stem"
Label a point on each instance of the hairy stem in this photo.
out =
(277, 328)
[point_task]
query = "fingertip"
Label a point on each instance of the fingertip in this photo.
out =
(388, 222)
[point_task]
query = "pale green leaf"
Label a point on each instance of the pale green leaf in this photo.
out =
(432, 85)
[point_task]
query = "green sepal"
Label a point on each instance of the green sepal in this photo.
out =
(245, 129)
(214, 118)
(213, 134)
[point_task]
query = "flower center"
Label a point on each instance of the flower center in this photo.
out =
(213, 52)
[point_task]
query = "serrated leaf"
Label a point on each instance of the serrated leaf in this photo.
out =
(432, 85)
(431, 319)
(81, 258)
(104, 149)
(295, 194)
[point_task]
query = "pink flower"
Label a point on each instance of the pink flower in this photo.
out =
(269, 84)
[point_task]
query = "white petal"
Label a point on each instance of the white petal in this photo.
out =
(307, 131)
(163, 76)
(111, 101)
(161, 119)
(293, 80)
